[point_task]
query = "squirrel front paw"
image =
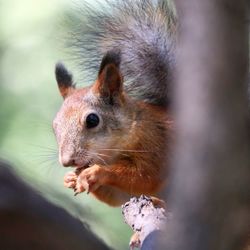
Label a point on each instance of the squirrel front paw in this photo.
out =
(88, 179)
(71, 181)
(91, 178)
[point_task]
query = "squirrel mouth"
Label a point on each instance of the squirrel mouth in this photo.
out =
(79, 169)
(86, 165)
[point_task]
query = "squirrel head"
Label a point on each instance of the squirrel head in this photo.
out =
(90, 124)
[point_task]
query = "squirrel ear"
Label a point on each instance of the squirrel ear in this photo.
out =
(64, 80)
(109, 82)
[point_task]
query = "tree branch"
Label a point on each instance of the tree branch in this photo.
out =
(146, 221)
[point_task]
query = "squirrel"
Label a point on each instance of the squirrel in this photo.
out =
(117, 132)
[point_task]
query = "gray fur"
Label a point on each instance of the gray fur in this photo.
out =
(144, 32)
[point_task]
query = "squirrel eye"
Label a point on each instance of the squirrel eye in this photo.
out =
(92, 120)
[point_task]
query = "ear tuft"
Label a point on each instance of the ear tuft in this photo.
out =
(111, 57)
(63, 76)
(64, 79)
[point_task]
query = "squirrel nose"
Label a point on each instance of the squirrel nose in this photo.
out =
(67, 160)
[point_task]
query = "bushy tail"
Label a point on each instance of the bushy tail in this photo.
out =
(144, 32)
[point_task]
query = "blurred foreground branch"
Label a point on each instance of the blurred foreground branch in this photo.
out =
(30, 222)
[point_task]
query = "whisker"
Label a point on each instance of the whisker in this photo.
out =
(105, 163)
(45, 161)
(96, 155)
(49, 157)
(42, 156)
(126, 150)
(49, 149)
(93, 153)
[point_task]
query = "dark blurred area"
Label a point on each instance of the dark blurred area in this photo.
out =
(28, 221)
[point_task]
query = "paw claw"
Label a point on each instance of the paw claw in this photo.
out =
(87, 188)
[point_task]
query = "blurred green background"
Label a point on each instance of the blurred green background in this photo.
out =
(31, 42)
